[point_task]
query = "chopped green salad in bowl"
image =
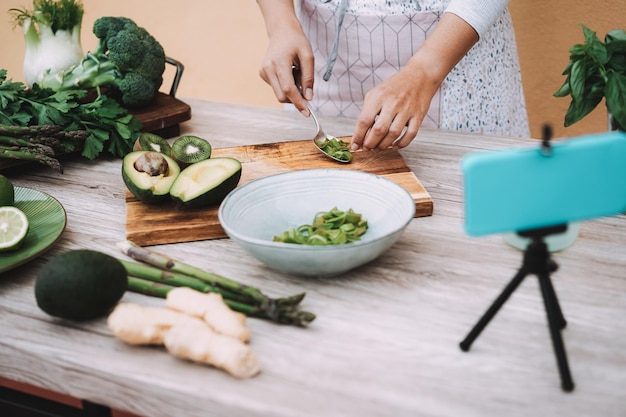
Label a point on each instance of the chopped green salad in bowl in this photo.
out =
(317, 222)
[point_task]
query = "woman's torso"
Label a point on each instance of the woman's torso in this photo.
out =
(377, 38)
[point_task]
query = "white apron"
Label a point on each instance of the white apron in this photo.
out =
(483, 93)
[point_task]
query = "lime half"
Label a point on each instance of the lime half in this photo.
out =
(13, 228)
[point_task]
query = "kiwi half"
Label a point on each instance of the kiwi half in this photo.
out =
(188, 150)
(152, 142)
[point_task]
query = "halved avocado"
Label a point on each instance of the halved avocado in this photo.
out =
(207, 182)
(149, 175)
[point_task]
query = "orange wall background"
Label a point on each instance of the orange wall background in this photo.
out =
(221, 43)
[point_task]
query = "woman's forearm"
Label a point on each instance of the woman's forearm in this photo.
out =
(288, 47)
(278, 15)
(444, 48)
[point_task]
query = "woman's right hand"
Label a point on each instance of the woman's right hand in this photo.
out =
(288, 47)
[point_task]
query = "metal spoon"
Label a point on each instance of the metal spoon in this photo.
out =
(320, 137)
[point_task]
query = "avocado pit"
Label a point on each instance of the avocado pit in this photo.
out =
(152, 163)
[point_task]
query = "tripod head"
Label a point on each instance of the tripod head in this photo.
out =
(543, 231)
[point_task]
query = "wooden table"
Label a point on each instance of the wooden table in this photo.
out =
(386, 340)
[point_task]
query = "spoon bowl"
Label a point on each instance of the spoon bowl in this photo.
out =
(320, 138)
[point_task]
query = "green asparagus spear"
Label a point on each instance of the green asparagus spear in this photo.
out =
(146, 287)
(153, 274)
(30, 131)
(249, 300)
(28, 156)
(285, 316)
(166, 263)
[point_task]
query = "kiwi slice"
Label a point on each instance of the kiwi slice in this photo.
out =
(152, 142)
(191, 149)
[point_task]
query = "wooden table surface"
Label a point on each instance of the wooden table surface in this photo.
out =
(386, 338)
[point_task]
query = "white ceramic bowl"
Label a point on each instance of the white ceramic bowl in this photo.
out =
(255, 212)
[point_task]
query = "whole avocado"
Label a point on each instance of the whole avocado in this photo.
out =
(80, 285)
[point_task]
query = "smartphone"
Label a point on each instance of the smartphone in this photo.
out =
(521, 189)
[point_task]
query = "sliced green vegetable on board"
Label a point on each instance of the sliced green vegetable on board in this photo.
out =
(336, 148)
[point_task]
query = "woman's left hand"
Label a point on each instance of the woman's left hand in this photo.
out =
(402, 101)
(394, 110)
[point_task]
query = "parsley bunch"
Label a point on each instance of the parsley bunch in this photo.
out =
(109, 126)
(596, 69)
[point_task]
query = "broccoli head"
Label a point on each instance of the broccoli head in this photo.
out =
(127, 58)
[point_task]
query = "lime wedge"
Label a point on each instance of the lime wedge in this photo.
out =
(13, 228)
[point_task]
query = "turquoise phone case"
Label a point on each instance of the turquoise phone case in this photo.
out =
(522, 189)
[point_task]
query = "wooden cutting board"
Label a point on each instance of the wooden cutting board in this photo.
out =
(165, 111)
(148, 225)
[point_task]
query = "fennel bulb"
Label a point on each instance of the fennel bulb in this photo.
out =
(52, 35)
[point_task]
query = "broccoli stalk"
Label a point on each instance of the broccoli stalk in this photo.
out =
(52, 36)
(127, 59)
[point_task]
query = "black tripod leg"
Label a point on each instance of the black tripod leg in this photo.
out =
(491, 312)
(553, 313)
(560, 318)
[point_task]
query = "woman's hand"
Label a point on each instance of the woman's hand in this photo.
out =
(402, 101)
(288, 48)
(393, 110)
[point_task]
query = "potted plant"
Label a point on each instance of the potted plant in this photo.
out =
(597, 70)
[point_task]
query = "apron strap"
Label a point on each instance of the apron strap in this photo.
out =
(333, 53)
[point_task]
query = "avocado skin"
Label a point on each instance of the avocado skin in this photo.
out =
(80, 285)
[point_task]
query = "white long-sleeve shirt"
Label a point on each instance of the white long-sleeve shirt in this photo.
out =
(479, 14)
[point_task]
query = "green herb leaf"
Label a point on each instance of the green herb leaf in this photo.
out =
(596, 70)
(615, 93)
(110, 126)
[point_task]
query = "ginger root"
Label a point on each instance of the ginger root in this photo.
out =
(140, 325)
(194, 340)
(211, 308)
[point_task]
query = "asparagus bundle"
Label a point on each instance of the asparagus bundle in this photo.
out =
(157, 274)
(39, 143)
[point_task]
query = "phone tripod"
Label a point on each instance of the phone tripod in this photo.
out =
(536, 261)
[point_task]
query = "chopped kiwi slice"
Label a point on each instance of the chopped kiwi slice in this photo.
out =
(191, 149)
(152, 142)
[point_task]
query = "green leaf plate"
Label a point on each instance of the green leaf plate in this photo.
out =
(47, 220)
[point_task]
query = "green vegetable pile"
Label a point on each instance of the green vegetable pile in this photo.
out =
(336, 148)
(39, 143)
(596, 69)
(127, 60)
(334, 227)
(156, 274)
(106, 126)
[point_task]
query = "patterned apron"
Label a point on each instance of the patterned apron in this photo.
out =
(483, 93)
